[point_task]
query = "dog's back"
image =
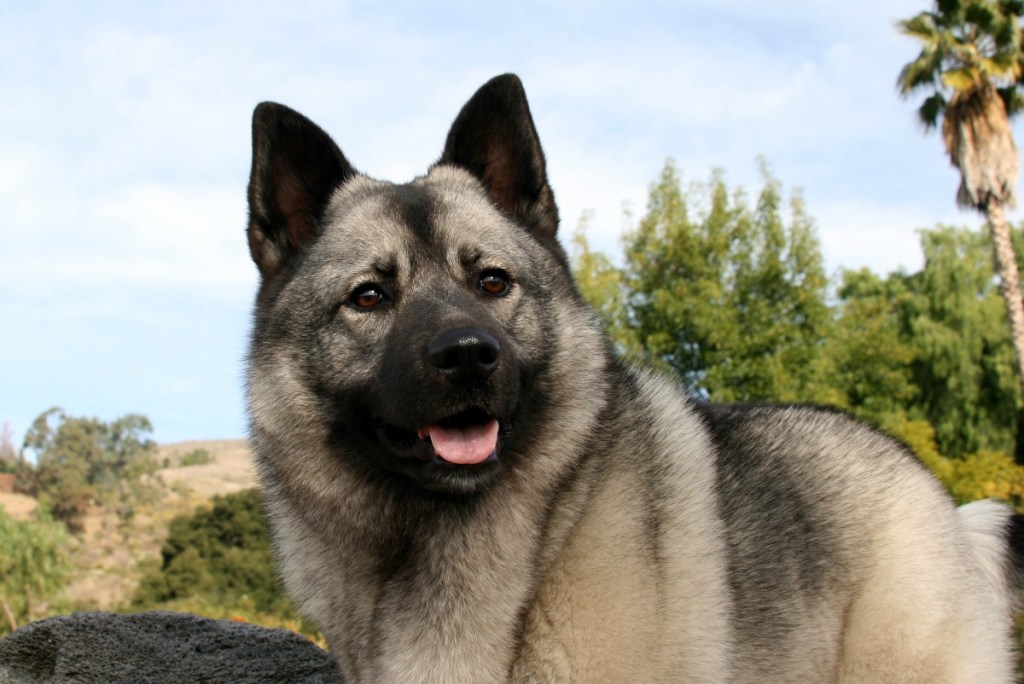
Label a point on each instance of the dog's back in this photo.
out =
(835, 529)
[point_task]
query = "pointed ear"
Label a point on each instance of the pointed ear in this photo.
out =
(295, 168)
(494, 139)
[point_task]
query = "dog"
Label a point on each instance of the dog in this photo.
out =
(464, 484)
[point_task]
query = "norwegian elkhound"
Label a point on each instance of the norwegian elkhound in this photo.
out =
(465, 485)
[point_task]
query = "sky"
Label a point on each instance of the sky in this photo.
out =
(125, 280)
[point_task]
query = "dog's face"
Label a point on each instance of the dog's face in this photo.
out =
(406, 321)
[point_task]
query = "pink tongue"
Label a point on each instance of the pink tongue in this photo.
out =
(463, 445)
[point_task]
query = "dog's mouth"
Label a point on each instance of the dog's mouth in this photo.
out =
(470, 438)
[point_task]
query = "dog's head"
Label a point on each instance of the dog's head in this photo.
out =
(414, 323)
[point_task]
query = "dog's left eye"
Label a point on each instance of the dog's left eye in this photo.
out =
(367, 296)
(494, 282)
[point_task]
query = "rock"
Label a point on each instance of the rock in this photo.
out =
(159, 648)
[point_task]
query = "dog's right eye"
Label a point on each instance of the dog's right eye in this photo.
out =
(367, 296)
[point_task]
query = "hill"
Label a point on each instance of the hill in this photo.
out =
(231, 469)
(107, 556)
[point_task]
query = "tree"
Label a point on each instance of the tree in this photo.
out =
(931, 345)
(82, 460)
(970, 62)
(729, 296)
(965, 365)
(868, 357)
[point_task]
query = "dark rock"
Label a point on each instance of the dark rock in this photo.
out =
(159, 648)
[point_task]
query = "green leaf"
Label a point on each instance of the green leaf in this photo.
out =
(982, 15)
(921, 27)
(932, 110)
(951, 9)
(962, 79)
(1012, 7)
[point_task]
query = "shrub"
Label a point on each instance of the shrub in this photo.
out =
(196, 457)
(220, 554)
(33, 567)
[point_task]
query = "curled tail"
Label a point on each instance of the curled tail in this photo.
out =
(996, 537)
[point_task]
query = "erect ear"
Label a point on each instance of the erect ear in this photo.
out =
(494, 138)
(295, 168)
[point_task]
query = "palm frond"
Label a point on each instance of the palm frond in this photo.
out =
(923, 72)
(932, 110)
(1007, 35)
(952, 10)
(962, 79)
(921, 27)
(1000, 67)
(1012, 7)
(982, 15)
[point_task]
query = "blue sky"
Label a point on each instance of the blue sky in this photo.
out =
(125, 284)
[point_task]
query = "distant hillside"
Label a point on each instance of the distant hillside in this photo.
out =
(230, 471)
(106, 556)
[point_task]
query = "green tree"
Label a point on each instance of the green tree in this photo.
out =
(971, 62)
(728, 295)
(33, 567)
(868, 355)
(220, 553)
(82, 460)
(931, 345)
(965, 366)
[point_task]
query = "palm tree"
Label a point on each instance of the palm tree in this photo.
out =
(971, 61)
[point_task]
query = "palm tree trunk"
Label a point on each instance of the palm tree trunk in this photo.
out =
(1009, 279)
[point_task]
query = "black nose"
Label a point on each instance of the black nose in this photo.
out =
(465, 354)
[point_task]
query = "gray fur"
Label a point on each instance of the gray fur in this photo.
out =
(623, 532)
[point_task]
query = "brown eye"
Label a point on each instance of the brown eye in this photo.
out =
(367, 296)
(494, 282)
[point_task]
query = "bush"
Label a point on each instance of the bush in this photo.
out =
(220, 554)
(984, 475)
(196, 457)
(33, 567)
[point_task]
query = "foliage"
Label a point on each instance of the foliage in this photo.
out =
(732, 298)
(33, 567)
(704, 270)
(982, 475)
(219, 554)
(932, 345)
(964, 44)
(988, 474)
(80, 461)
(966, 369)
(868, 357)
(196, 457)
